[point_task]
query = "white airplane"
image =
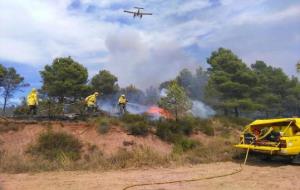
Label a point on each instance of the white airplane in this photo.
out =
(138, 13)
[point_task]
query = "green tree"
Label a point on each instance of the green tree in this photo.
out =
(292, 101)
(176, 101)
(230, 83)
(298, 66)
(11, 82)
(275, 91)
(186, 80)
(2, 72)
(193, 84)
(105, 82)
(64, 78)
(164, 85)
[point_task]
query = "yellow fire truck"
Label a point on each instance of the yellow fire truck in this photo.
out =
(272, 137)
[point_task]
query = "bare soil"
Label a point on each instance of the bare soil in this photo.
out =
(255, 175)
(17, 142)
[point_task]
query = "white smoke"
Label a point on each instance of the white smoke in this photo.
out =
(199, 109)
(109, 107)
(113, 108)
(137, 60)
(163, 92)
(134, 108)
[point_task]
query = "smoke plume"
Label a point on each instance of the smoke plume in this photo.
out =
(199, 109)
(139, 61)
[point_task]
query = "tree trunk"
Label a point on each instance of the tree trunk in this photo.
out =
(267, 114)
(225, 112)
(5, 102)
(176, 115)
(61, 101)
(236, 112)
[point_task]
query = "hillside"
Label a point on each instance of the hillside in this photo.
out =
(108, 143)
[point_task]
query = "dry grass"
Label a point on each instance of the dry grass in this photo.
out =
(218, 149)
(9, 126)
(185, 150)
(139, 157)
(21, 164)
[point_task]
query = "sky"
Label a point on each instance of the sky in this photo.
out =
(180, 34)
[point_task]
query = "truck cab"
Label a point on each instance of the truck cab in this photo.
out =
(272, 137)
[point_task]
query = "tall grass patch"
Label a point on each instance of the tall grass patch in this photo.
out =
(218, 149)
(56, 146)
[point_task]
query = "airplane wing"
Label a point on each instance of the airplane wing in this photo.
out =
(146, 13)
(128, 12)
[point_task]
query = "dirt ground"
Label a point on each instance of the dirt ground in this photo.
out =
(17, 142)
(254, 176)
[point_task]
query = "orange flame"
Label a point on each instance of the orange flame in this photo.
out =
(160, 112)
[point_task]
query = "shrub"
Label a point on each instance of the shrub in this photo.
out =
(164, 131)
(208, 130)
(168, 130)
(21, 110)
(132, 118)
(114, 121)
(184, 144)
(103, 127)
(138, 129)
(205, 126)
(186, 125)
(50, 108)
(56, 146)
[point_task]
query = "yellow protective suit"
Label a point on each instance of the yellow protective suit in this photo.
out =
(122, 100)
(91, 100)
(32, 98)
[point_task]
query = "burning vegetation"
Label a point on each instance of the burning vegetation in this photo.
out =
(158, 112)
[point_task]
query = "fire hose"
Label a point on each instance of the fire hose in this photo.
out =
(192, 180)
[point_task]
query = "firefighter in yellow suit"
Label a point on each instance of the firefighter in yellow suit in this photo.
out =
(91, 102)
(122, 103)
(32, 101)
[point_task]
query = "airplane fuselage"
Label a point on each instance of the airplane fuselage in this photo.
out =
(137, 14)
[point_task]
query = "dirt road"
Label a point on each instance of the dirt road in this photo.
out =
(254, 176)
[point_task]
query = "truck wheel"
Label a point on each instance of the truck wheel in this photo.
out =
(296, 159)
